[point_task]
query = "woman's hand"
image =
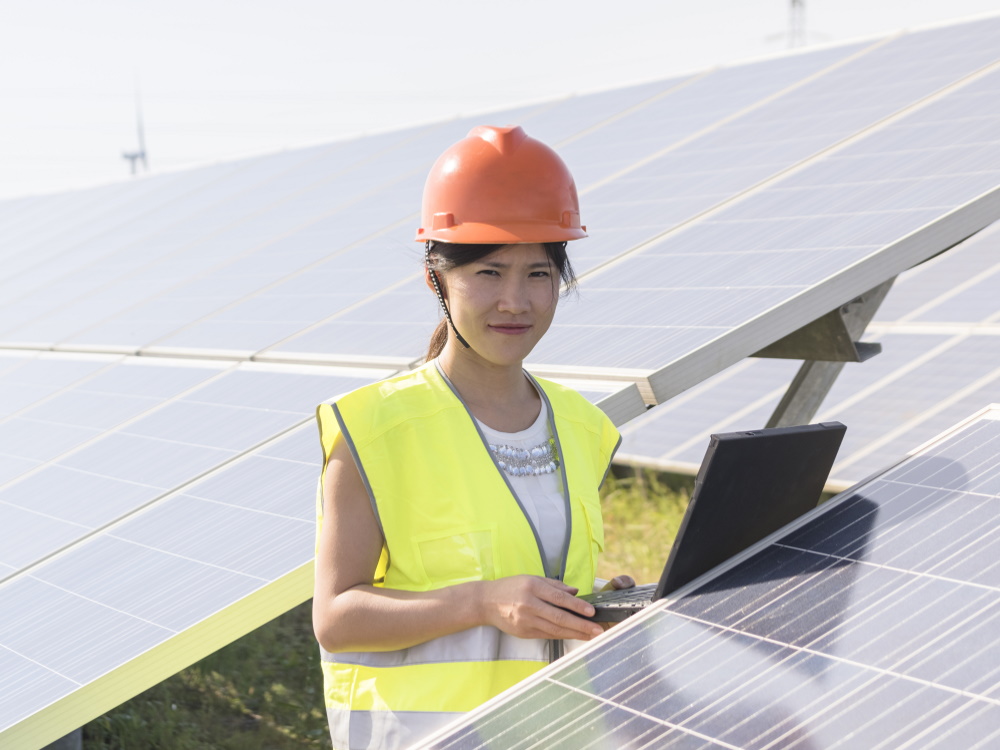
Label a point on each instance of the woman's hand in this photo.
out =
(619, 582)
(536, 607)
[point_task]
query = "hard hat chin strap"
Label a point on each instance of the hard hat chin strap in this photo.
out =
(440, 295)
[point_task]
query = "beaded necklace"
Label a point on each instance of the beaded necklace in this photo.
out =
(523, 462)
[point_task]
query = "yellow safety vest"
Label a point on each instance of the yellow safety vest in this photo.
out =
(448, 515)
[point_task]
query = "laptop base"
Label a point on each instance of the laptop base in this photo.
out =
(616, 605)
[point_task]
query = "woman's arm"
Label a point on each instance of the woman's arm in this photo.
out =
(349, 614)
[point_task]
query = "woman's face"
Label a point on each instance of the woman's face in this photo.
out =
(503, 303)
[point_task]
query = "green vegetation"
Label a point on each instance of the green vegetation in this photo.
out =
(265, 690)
(642, 511)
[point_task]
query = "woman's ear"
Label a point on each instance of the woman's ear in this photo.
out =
(430, 282)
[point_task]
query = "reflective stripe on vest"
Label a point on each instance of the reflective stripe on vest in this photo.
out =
(448, 515)
(377, 730)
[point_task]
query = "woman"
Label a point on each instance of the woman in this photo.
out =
(460, 514)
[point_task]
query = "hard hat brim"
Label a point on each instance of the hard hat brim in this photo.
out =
(474, 233)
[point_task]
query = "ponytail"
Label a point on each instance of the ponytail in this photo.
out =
(438, 340)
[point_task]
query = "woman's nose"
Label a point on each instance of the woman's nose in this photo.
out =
(513, 298)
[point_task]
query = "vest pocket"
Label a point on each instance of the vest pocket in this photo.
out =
(458, 556)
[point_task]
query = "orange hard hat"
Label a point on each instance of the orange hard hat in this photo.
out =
(499, 185)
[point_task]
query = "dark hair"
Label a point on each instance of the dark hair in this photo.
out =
(443, 256)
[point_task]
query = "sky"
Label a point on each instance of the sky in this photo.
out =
(220, 79)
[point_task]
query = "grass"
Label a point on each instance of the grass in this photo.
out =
(265, 691)
(642, 512)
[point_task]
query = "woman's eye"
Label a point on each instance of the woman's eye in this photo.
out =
(489, 272)
(540, 274)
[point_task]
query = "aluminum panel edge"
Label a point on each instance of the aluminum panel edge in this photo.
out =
(623, 406)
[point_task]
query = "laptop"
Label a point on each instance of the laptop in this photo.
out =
(750, 484)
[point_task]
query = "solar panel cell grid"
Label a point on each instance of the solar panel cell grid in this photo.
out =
(148, 584)
(936, 385)
(685, 111)
(24, 544)
(301, 445)
(263, 483)
(570, 117)
(30, 684)
(144, 460)
(140, 582)
(870, 625)
(112, 223)
(259, 544)
(53, 372)
(103, 636)
(11, 467)
(977, 301)
(97, 410)
(38, 441)
(77, 497)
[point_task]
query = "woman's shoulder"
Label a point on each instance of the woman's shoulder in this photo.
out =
(395, 386)
(397, 397)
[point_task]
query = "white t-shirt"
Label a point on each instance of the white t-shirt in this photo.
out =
(541, 495)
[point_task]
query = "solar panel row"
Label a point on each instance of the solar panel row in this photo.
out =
(252, 257)
(152, 511)
(939, 362)
(157, 509)
(871, 624)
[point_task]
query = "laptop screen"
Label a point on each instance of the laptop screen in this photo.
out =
(750, 485)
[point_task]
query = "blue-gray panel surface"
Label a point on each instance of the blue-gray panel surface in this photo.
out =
(771, 224)
(871, 624)
(128, 588)
(698, 284)
(116, 440)
(923, 381)
(209, 243)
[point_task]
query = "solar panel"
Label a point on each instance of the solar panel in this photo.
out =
(250, 206)
(939, 361)
(868, 623)
(182, 520)
(735, 263)
(109, 445)
(808, 249)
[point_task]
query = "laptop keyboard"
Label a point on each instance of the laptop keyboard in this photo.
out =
(623, 596)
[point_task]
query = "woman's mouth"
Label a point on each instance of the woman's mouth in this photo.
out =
(510, 329)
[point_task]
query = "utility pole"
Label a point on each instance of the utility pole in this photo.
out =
(797, 24)
(797, 34)
(133, 157)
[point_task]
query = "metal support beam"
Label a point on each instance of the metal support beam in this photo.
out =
(815, 378)
(72, 741)
(833, 337)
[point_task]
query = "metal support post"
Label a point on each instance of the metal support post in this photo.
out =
(72, 741)
(816, 377)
